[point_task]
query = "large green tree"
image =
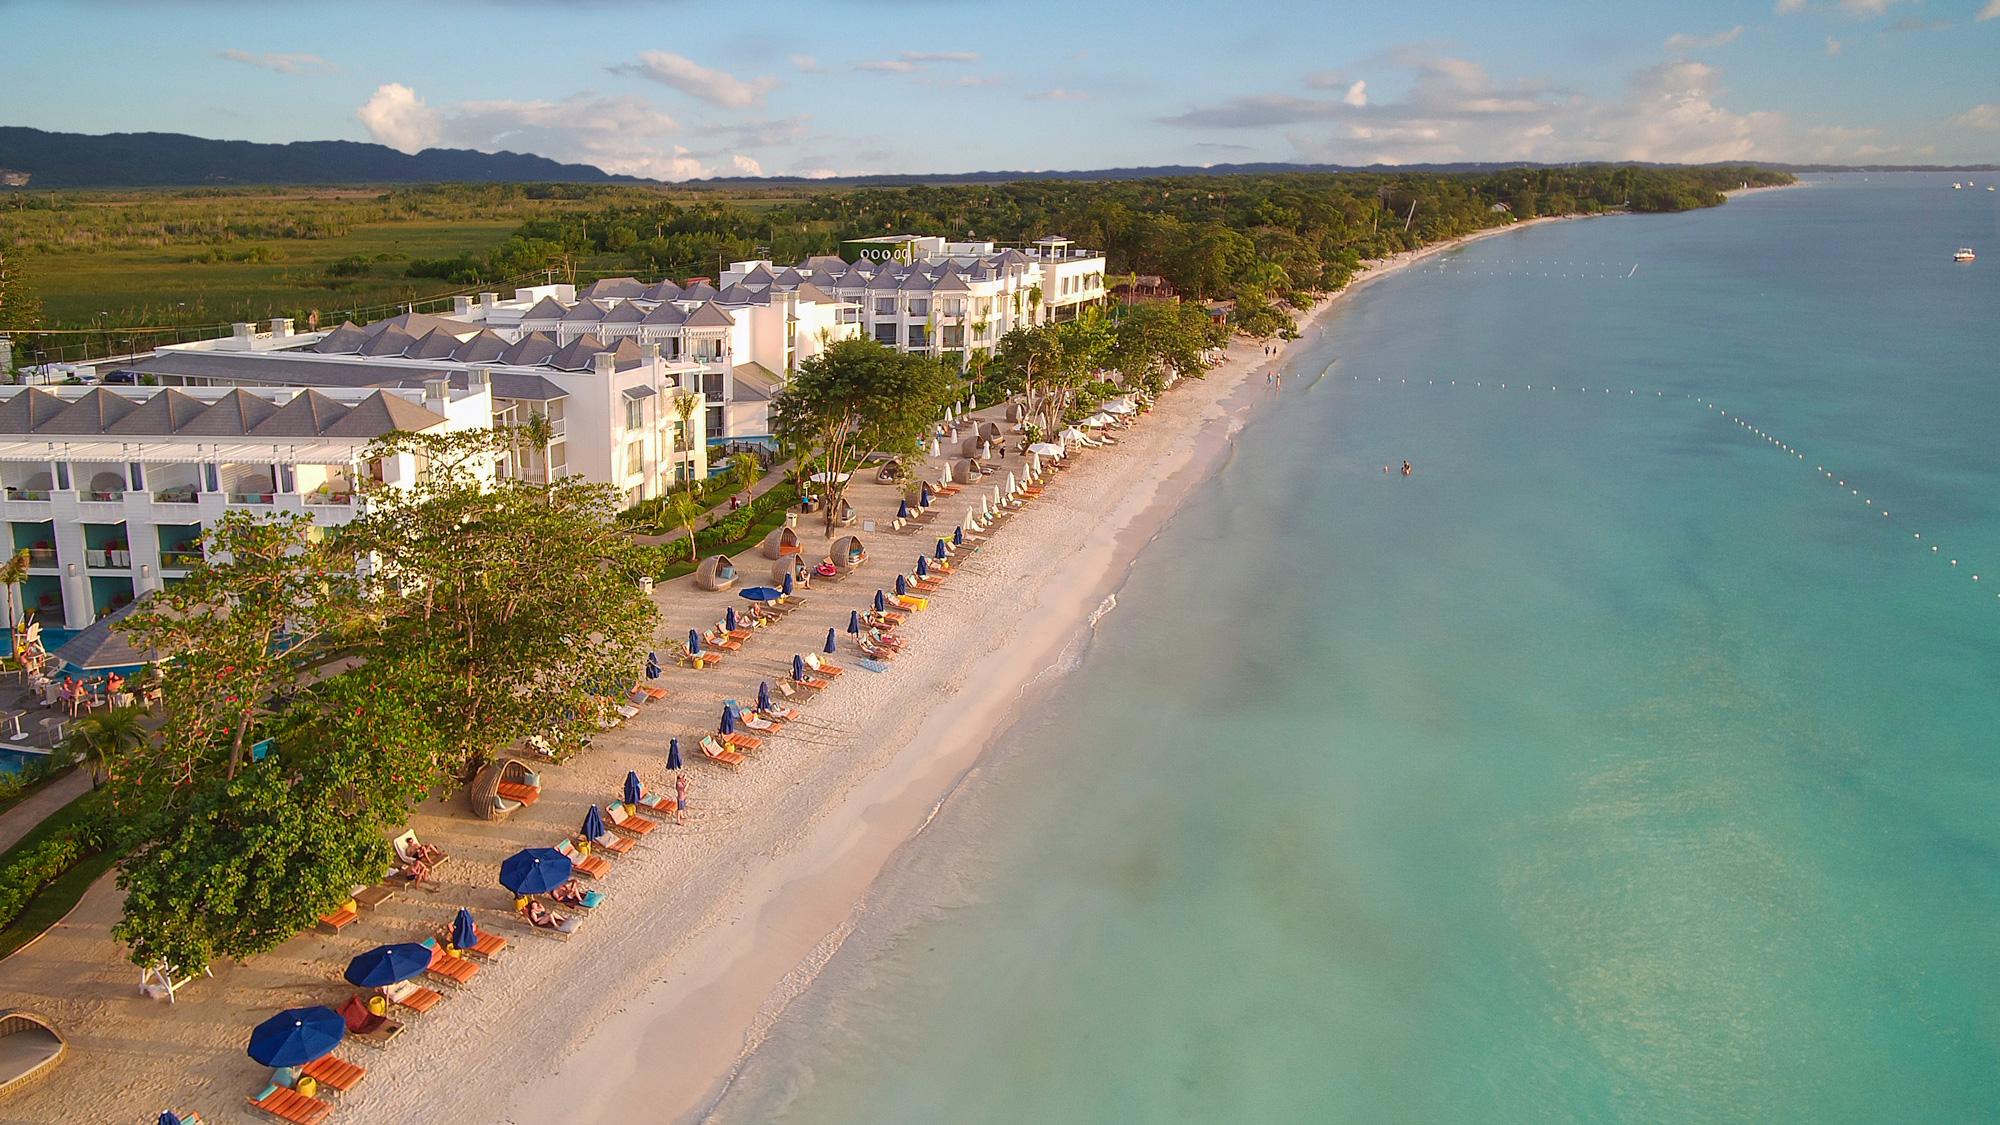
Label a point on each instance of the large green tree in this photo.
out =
(1161, 340)
(859, 397)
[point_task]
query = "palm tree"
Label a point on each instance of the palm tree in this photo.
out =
(744, 471)
(100, 741)
(540, 434)
(12, 573)
(684, 404)
(684, 509)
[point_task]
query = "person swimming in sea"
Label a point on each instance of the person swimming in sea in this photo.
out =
(1406, 469)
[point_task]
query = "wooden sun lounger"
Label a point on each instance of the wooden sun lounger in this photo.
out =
(611, 842)
(588, 866)
(717, 752)
(289, 1105)
(726, 644)
(741, 741)
(378, 1036)
(458, 971)
(339, 1074)
(339, 919)
(648, 692)
(659, 803)
(621, 818)
(523, 794)
(488, 947)
(812, 684)
(821, 666)
(415, 997)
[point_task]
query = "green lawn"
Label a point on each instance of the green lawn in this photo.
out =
(56, 899)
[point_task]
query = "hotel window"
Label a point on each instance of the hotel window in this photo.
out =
(920, 306)
(635, 458)
(952, 306)
(984, 306)
(885, 334)
(634, 414)
(885, 306)
(918, 337)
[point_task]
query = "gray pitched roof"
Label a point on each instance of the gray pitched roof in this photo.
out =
(93, 414)
(530, 350)
(916, 283)
(885, 281)
(233, 415)
(950, 281)
(664, 291)
(436, 344)
(524, 386)
(382, 413)
(699, 291)
(614, 287)
(789, 277)
(307, 415)
(344, 340)
(626, 353)
(625, 313)
(758, 273)
(419, 324)
(809, 292)
(548, 308)
(487, 347)
(737, 295)
(668, 315)
(167, 412)
(826, 262)
(584, 312)
(575, 355)
(708, 314)
(389, 341)
(32, 408)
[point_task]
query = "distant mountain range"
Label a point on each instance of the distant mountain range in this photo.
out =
(75, 160)
(36, 158)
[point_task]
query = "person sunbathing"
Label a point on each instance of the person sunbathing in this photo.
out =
(877, 652)
(542, 918)
(419, 874)
(570, 893)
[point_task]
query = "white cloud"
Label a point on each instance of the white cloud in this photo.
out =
(1859, 9)
(805, 64)
(1986, 116)
(1059, 95)
(1787, 7)
(695, 80)
(746, 166)
(293, 64)
(1357, 94)
(395, 116)
(909, 61)
(1832, 47)
(1990, 12)
(1685, 42)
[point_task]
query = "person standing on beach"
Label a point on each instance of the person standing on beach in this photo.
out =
(680, 797)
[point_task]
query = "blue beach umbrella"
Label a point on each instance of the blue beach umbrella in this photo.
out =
(464, 934)
(728, 723)
(694, 642)
(764, 696)
(902, 586)
(729, 619)
(387, 964)
(798, 667)
(854, 621)
(903, 510)
(943, 549)
(786, 589)
(169, 1117)
(652, 665)
(830, 650)
(673, 753)
(958, 536)
(924, 497)
(297, 1036)
(633, 790)
(760, 594)
(881, 602)
(593, 824)
(534, 871)
(923, 566)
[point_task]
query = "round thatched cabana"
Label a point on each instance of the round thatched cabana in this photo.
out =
(847, 553)
(968, 448)
(781, 542)
(716, 572)
(30, 1047)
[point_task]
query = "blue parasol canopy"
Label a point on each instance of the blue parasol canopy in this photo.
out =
(633, 789)
(902, 586)
(169, 1117)
(673, 753)
(881, 602)
(760, 594)
(297, 1036)
(534, 871)
(798, 667)
(694, 643)
(464, 934)
(387, 964)
(854, 621)
(593, 823)
(728, 723)
(764, 695)
(830, 650)
(903, 510)
(652, 665)
(923, 566)
(786, 589)
(729, 619)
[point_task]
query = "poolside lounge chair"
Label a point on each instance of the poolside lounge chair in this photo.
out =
(779, 714)
(646, 693)
(810, 683)
(756, 722)
(717, 639)
(287, 1104)
(334, 1073)
(555, 925)
(716, 752)
(364, 1026)
(588, 866)
(820, 665)
(415, 997)
(622, 817)
(457, 971)
(409, 850)
(370, 897)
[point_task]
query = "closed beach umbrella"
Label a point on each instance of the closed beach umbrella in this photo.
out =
(902, 586)
(673, 753)
(729, 619)
(464, 933)
(798, 667)
(297, 1036)
(943, 549)
(903, 510)
(881, 602)
(760, 594)
(924, 496)
(169, 1117)
(764, 695)
(694, 643)
(388, 964)
(534, 871)
(652, 665)
(633, 789)
(593, 824)
(728, 723)
(853, 623)
(786, 589)
(923, 567)
(830, 650)
(972, 401)
(935, 448)
(1013, 486)
(958, 536)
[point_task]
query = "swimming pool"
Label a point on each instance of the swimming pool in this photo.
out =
(12, 760)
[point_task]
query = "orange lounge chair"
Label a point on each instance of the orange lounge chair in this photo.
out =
(522, 792)
(819, 664)
(741, 741)
(338, 1074)
(717, 752)
(658, 803)
(612, 842)
(644, 693)
(624, 819)
(341, 918)
(457, 970)
(487, 947)
(287, 1104)
(718, 639)
(811, 683)
(415, 997)
(588, 866)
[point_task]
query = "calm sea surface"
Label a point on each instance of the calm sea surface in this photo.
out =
(1616, 766)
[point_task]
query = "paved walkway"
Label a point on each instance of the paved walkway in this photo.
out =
(40, 805)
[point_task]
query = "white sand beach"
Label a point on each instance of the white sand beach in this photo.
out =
(709, 926)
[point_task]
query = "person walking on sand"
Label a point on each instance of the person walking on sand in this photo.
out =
(680, 797)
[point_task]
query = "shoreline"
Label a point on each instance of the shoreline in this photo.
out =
(710, 928)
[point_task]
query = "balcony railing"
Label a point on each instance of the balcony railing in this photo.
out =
(341, 499)
(27, 494)
(41, 556)
(252, 497)
(178, 494)
(103, 496)
(108, 560)
(180, 560)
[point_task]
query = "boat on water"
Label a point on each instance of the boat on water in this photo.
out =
(1964, 254)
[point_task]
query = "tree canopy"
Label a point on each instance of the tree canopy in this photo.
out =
(859, 397)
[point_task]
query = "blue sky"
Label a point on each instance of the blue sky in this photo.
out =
(676, 88)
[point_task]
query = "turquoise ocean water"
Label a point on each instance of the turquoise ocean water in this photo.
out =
(1616, 766)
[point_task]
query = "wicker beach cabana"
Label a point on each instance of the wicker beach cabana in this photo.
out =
(1016, 412)
(30, 1047)
(847, 553)
(716, 572)
(791, 566)
(967, 448)
(781, 542)
(890, 472)
(502, 787)
(989, 431)
(967, 470)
